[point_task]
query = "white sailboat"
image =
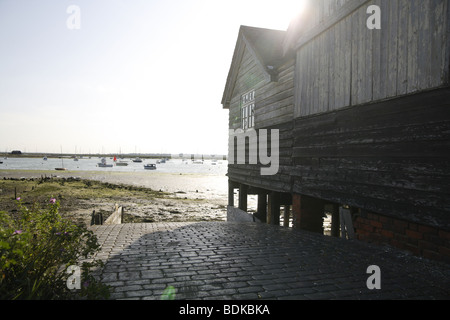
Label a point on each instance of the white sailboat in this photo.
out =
(62, 163)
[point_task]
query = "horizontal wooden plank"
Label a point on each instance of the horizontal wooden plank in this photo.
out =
(373, 137)
(400, 209)
(425, 107)
(416, 198)
(391, 177)
(279, 182)
(425, 167)
(403, 149)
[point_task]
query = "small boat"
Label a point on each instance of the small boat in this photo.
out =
(150, 166)
(62, 163)
(1, 162)
(103, 164)
(45, 158)
(198, 161)
(137, 160)
(120, 163)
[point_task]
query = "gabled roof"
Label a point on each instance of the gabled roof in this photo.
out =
(265, 45)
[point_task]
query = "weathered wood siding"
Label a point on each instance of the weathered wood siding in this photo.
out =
(390, 157)
(250, 174)
(250, 77)
(274, 106)
(372, 110)
(347, 64)
(275, 100)
(364, 115)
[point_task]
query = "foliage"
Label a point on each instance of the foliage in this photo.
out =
(169, 293)
(37, 246)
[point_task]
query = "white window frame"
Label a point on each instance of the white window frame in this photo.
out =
(248, 110)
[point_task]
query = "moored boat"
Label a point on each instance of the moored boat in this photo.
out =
(120, 163)
(62, 163)
(150, 166)
(103, 164)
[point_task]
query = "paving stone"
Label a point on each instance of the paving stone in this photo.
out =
(126, 288)
(246, 296)
(139, 294)
(235, 285)
(109, 277)
(152, 274)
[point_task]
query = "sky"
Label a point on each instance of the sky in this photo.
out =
(111, 76)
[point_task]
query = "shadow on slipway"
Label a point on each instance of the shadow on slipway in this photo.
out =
(252, 261)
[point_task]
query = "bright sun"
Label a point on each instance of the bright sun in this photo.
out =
(278, 14)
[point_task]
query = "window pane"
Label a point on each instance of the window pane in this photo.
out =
(248, 110)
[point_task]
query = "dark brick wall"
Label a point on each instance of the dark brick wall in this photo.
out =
(426, 241)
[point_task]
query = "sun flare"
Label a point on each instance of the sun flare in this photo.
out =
(282, 12)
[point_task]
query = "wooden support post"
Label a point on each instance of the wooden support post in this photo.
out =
(335, 224)
(296, 212)
(96, 219)
(243, 192)
(230, 193)
(345, 217)
(274, 208)
(287, 214)
(308, 213)
(261, 213)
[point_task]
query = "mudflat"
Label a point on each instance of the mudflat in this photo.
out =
(164, 197)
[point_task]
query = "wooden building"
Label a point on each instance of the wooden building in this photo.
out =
(363, 116)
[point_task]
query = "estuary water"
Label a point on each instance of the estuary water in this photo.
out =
(92, 164)
(205, 180)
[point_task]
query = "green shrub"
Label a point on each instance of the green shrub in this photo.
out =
(36, 248)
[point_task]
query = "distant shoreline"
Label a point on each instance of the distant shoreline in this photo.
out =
(118, 155)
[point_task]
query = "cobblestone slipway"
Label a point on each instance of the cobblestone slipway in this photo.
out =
(230, 261)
